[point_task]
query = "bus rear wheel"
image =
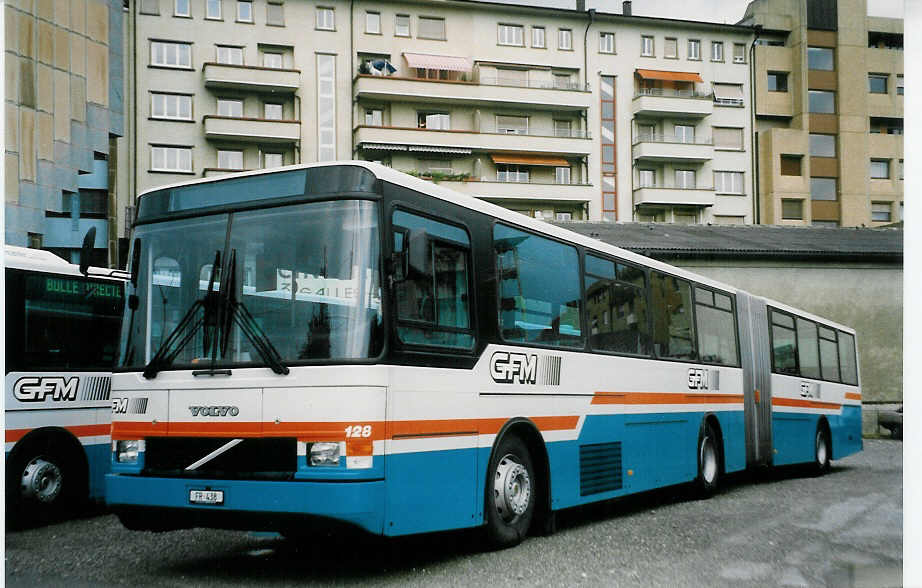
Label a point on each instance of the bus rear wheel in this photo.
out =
(708, 461)
(821, 451)
(511, 493)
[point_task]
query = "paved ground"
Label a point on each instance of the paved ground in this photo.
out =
(844, 529)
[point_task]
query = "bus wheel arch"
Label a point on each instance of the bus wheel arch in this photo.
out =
(517, 436)
(709, 456)
(822, 447)
(47, 471)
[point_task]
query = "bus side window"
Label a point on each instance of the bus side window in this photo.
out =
(808, 349)
(432, 297)
(616, 307)
(716, 327)
(784, 344)
(829, 354)
(847, 364)
(673, 327)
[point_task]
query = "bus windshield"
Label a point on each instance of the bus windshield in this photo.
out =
(307, 273)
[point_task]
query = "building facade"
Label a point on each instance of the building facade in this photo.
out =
(64, 112)
(567, 114)
(829, 113)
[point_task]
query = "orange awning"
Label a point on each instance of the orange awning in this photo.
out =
(672, 76)
(524, 159)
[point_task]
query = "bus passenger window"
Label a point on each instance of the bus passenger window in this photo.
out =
(616, 307)
(807, 349)
(433, 301)
(784, 344)
(847, 365)
(673, 328)
(716, 327)
(829, 354)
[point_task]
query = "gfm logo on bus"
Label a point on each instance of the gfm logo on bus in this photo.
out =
(514, 368)
(697, 379)
(38, 389)
(215, 411)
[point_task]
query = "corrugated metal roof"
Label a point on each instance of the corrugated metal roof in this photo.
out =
(661, 240)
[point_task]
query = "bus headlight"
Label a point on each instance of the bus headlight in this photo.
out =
(324, 454)
(127, 451)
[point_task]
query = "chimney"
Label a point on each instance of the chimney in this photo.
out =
(626, 8)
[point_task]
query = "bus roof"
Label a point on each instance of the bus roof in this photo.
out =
(430, 189)
(40, 260)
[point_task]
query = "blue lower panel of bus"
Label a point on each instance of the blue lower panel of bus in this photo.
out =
(794, 435)
(97, 456)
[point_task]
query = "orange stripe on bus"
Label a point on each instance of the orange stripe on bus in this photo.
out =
(13, 435)
(853, 396)
(664, 398)
(803, 403)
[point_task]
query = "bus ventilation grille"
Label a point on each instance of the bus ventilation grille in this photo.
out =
(599, 468)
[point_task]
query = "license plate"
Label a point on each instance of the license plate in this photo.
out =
(206, 496)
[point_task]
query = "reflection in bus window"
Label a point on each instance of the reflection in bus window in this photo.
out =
(829, 355)
(716, 327)
(784, 344)
(808, 349)
(616, 307)
(673, 328)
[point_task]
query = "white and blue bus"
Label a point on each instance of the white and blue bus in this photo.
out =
(343, 343)
(62, 328)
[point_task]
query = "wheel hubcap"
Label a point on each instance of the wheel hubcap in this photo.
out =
(708, 460)
(41, 480)
(820, 449)
(511, 489)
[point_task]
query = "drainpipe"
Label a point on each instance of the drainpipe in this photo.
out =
(591, 12)
(754, 136)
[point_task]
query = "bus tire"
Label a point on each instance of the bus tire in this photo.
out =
(43, 481)
(708, 456)
(511, 493)
(821, 450)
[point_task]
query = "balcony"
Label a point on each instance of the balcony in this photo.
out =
(223, 76)
(466, 141)
(659, 195)
(489, 92)
(490, 190)
(664, 102)
(671, 148)
(880, 145)
(251, 130)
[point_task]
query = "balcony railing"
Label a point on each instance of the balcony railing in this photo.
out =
(666, 138)
(542, 84)
(539, 132)
(673, 93)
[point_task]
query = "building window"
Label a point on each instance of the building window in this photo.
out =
(739, 53)
(433, 120)
(181, 8)
(685, 178)
(777, 81)
(510, 34)
(230, 159)
(728, 138)
(326, 107)
(886, 126)
(326, 19)
(880, 169)
(244, 11)
(373, 23)
(273, 60)
(900, 169)
(820, 58)
(646, 178)
(230, 107)
(899, 84)
(402, 25)
(646, 132)
(728, 182)
(149, 7)
(167, 54)
(791, 165)
(684, 134)
(213, 9)
(435, 166)
(792, 209)
(272, 111)
(561, 175)
(275, 14)
(374, 117)
(175, 159)
(563, 82)
(431, 28)
(511, 173)
(512, 125)
(565, 39)
(823, 189)
(229, 55)
(564, 128)
(880, 212)
(271, 160)
(728, 94)
(822, 145)
(822, 101)
(717, 51)
(646, 46)
(170, 106)
(538, 38)
(694, 49)
(606, 42)
(671, 48)
(877, 83)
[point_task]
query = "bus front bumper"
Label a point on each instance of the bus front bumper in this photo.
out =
(162, 504)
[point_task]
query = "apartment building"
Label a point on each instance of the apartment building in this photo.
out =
(829, 113)
(64, 114)
(566, 114)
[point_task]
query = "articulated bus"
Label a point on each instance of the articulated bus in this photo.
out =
(345, 344)
(62, 328)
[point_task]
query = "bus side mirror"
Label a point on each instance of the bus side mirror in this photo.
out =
(135, 262)
(86, 250)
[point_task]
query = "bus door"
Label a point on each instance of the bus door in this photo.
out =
(755, 354)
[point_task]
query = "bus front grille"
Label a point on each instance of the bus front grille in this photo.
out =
(257, 459)
(599, 468)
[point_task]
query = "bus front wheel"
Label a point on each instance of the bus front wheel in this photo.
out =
(708, 461)
(511, 493)
(821, 451)
(40, 483)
